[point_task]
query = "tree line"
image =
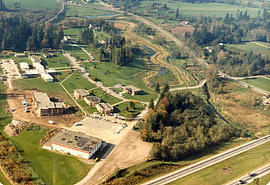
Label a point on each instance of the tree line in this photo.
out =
(181, 125)
(2, 5)
(18, 34)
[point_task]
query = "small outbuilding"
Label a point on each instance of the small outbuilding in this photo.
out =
(133, 90)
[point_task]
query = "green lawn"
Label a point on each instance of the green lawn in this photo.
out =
(53, 88)
(241, 164)
(58, 61)
(33, 4)
(251, 46)
(76, 81)
(121, 109)
(77, 53)
(111, 74)
(53, 168)
(261, 83)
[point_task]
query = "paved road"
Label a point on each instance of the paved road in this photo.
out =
(248, 178)
(207, 162)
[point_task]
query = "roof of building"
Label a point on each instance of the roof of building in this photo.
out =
(133, 88)
(35, 59)
(24, 65)
(75, 140)
(31, 72)
(81, 92)
(44, 101)
(92, 99)
(46, 76)
(105, 106)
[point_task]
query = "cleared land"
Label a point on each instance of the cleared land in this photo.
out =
(33, 4)
(239, 165)
(251, 46)
(53, 168)
(261, 83)
(87, 11)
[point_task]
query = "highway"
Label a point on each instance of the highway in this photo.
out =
(207, 162)
(248, 178)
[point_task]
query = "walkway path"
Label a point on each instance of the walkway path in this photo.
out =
(259, 44)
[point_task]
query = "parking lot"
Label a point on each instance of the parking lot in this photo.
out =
(102, 128)
(10, 69)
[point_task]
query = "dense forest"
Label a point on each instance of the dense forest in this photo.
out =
(232, 30)
(182, 125)
(18, 34)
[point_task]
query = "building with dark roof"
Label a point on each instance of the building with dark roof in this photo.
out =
(92, 100)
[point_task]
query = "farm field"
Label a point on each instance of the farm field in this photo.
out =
(261, 83)
(196, 9)
(260, 47)
(237, 166)
(33, 4)
(87, 11)
(52, 167)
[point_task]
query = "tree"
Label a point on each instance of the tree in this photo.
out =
(166, 88)
(177, 14)
(2, 5)
(157, 88)
(132, 105)
(151, 104)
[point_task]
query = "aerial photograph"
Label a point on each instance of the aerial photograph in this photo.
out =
(127, 92)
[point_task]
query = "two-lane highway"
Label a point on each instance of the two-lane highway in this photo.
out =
(207, 162)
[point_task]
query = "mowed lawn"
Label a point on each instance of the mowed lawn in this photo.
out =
(240, 165)
(261, 83)
(33, 4)
(58, 61)
(52, 167)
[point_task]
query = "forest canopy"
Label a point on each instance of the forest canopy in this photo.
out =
(182, 125)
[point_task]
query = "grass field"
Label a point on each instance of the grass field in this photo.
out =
(111, 74)
(53, 88)
(85, 11)
(263, 180)
(77, 53)
(261, 83)
(58, 61)
(53, 168)
(33, 4)
(121, 109)
(241, 164)
(251, 46)
(196, 9)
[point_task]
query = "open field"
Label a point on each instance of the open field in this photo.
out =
(33, 4)
(58, 61)
(239, 165)
(196, 9)
(87, 11)
(53, 168)
(251, 46)
(77, 53)
(263, 180)
(53, 88)
(122, 109)
(111, 74)
(261, 83)
(239, 106)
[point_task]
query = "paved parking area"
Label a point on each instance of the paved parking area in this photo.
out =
(100, 128)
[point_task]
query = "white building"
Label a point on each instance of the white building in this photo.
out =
(74, 143)
(46, 77)
(24, 66)
(18, 55)
(35, 59)
(39, 67)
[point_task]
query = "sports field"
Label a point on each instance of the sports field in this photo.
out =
(33, 4)
(230, 169)
(261, 83)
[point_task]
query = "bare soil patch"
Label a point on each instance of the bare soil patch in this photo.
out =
(180, 31)
(226, 171)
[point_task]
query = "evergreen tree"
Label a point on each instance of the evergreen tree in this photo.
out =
(2, 5)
